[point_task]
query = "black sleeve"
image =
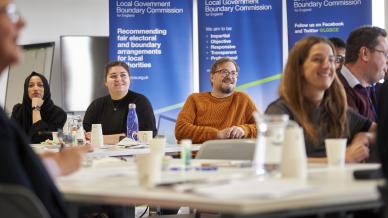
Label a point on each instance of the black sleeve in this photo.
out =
(357, 123)
(146, 116)
(90, 117)
(279, 107)
(41, 130)
(21, 166)
(16, 113)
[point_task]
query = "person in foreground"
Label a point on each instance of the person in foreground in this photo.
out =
(222, 113)
(382, 137)
(311, 94)
(19, 165)
(38, 115)
(111, 110)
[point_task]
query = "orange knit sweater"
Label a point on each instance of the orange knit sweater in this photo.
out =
(203, 115)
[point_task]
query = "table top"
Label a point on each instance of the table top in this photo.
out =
(113, 150)
(115, 182)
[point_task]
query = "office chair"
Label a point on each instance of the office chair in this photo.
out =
(230, 149)
(383, 189)
(19, 202)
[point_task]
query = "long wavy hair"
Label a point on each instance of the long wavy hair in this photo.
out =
(334, 106)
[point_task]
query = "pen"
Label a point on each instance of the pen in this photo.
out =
(201, 168)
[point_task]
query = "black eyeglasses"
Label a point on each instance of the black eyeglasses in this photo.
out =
(339, 59)
(382, 52)
(225, 72)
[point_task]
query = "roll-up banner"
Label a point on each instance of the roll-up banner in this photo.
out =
(155, 37)
(329, 18)
(249, 32)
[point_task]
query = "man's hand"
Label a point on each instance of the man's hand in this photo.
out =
(234, 132)
(358, 149)
(69, 160)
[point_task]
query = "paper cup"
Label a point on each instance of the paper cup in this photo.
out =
(149, 168)
(144, 137)
(157, 145)
(55, 137)
(335, 152)
(97, 139)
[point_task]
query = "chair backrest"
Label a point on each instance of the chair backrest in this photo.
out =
(19, 202)
(230, 149)
(166, 127)
(383, 189)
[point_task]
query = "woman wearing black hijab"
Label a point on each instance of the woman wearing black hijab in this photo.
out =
(38, 115)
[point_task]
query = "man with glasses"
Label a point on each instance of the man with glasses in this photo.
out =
(222, 113)
(340, 48)
(365, 64)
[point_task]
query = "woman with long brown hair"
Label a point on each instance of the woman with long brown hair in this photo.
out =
(312, 95)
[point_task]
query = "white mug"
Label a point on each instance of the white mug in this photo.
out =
(144, 137)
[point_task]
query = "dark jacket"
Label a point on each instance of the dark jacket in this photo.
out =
(19, 165)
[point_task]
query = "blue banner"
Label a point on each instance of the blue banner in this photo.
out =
(329, 18)
(249, 32)
(155, 37)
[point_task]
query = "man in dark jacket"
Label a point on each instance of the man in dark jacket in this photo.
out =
(19, 165)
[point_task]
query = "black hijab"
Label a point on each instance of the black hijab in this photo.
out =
(26, 110)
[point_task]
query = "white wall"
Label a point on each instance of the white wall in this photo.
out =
(378, 13)
(47, 20)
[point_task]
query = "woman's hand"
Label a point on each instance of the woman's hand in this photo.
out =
(112, 139)
(358, 149)
(36, 102)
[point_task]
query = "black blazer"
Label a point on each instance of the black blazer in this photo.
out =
(19, 165)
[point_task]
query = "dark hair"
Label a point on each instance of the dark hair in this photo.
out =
(115, 64)
(365, 36)
(214, 66)
(337, 42)
(46, 88)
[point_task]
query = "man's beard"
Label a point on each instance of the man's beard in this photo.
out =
(227, 90)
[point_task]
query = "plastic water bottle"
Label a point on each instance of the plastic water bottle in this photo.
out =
(186, 153)
(132, 122)
(80, 135)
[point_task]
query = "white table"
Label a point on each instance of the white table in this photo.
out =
(116, 183)
(113, 151)
(118, 151)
